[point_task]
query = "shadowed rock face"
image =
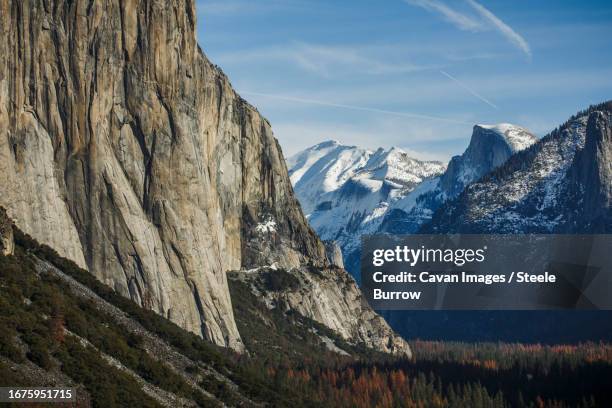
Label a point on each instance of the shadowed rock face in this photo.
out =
(489, 148)
(592, 176)
(7, 243)
(126, 150)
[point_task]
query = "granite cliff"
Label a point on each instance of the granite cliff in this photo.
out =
(126, 150)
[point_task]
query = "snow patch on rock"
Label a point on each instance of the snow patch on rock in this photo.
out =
(266, 227)
(518, 138)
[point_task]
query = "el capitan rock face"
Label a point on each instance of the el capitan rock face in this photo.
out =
(104, 131)
(127, 151)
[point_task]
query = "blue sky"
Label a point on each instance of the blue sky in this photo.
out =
(417, 74)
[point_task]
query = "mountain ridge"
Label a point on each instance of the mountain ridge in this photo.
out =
(347, 190)
(328, 180)
(542, 189)
(550, 180)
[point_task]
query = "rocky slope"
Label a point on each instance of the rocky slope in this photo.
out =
(326, 295)
(62, 327)
(562, 184)
(126, 150)
(346, 190)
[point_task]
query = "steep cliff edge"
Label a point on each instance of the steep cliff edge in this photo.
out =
(490, 147)
(591, 176)
(126, 150)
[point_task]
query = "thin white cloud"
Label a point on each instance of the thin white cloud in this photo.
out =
(329, 59)
(460, 20)
(484, 20)
(507, 31)
(467, 88)
(325, 60)
(354, 107)
(429, 93)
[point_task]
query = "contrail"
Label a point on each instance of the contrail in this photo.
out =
(353, 107)
(472, 23)
(462, 21)
(470, 90)
(507, 31)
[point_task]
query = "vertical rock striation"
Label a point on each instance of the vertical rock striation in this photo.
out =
(591, 176)
(126, 150)
(104, 153)
(334, 253)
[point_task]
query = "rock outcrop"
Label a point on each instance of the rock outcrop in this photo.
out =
(490, 147)
(334, 253)
(126, 150)
(7, 242)
(591, 176)
(326, 295)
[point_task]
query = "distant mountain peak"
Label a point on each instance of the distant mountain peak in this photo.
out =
(562, 185)
(490, 146)
(346, 190)
(518, 138)
(326, 143)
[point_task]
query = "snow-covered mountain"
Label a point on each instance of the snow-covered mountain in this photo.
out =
(326, 167)
(507, 181)
(346, 190)
(489, 148)
(561, 184)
